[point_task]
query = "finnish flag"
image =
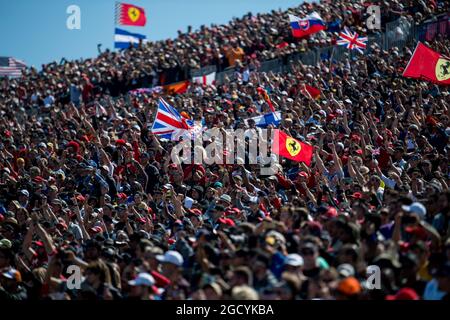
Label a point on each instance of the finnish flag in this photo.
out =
(262, 121)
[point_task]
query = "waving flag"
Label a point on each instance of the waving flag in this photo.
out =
(10, 67)
(208, 79)
(352, 40)
(301, 28)
(169, 124)
(176, 88)
(123, 39)
(262, 121)
(263, 93)
(130, 15)
(428, 65)
(313, 92)
(157, 89)
(291, 148)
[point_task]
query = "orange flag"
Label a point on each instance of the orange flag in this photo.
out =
(428, 65)
(291, 148)
(177, 88)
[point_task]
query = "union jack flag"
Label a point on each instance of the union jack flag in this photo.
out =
(169, 124)
(352, 40)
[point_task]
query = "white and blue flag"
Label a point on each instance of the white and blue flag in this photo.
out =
(123, 38)
(262, 121)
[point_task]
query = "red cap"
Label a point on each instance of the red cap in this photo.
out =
(97, 229)
(120, 142)
(331, 212)
(75, 145)
(357, 195)
(227, 221)
(404, 294)
(122, 196)
(236, 210)
(80, 198)
(303, 174)
(38, 179)
(196, 212)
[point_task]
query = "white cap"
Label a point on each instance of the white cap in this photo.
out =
(172, 257)
(143, 279)
(346, 270)
(417, 208)
(294, 260)
(188, 202)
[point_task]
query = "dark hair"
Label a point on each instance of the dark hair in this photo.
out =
(100, 268)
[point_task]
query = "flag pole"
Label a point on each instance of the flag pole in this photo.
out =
(331, 57)
(406, 68)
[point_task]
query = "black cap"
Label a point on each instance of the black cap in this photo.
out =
(441, 271)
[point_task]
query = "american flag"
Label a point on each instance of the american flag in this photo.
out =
(352, 40)
(11, 67)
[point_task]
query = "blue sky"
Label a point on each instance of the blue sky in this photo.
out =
(35, 31)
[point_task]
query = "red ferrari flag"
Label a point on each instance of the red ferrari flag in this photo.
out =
(130, 15)
(291, 148)
(428, 65)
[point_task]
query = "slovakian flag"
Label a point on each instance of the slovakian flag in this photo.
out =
(263, 93)
(352, 40)
(427, 64)
(291, 148)
(130, 15)
(301, 28)
(207, 80)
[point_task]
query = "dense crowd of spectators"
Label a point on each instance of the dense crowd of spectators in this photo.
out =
(84, 182)
(251, 39)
